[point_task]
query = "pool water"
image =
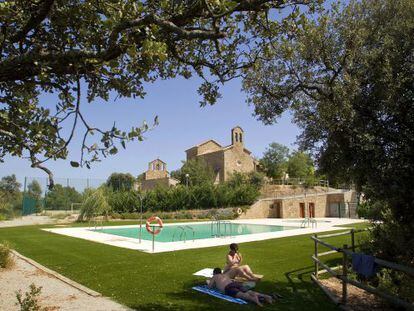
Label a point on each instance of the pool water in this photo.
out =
(174, 233)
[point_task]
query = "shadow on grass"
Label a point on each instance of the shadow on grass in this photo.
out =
(297, 290)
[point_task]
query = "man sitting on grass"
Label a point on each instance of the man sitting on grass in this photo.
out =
(224, 283)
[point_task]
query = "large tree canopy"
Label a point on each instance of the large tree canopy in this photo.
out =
(58, 46)
(274, 160)
(348, 75)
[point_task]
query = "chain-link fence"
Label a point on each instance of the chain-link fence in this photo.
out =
(66, 194)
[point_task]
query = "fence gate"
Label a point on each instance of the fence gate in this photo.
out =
(29, 205)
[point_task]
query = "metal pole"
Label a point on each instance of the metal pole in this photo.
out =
(153, 238)
(345, 275)
(140, 219)
(316, 256)
(24, 194)
(353, 239)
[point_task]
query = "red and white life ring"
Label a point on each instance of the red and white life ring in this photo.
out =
(149, 226)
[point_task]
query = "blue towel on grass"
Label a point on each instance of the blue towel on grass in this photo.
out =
(364, 265)
(212, 292)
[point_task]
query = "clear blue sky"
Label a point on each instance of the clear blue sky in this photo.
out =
(182, 124)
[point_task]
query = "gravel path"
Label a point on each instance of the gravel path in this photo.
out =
(55, 294)
(27, 221)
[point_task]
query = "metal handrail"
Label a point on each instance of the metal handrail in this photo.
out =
(183, 232)
(308, 221)
(178, 227)
(192, 229)
(215, 221)
(225, 227)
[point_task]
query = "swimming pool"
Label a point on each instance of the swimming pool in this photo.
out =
(174, 233)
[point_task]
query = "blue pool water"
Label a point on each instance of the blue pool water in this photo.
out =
(172, 233)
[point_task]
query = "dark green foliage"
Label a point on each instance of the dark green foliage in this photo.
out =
(123, 201)
(370, 210)
(241, 189)
(348, 75)
(61, 198)
(6, 259)
(84, 50)
(300, 165)
(277, 160)
(9, 184)
(30, 302)
(256, 179)
(198, 173)
(10, 197)
(274, 160)
(95, 204)
(121, 181)
(34, 191)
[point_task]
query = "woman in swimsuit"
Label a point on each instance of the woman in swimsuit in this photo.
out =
(234, 259)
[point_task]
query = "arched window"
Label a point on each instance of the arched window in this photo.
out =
(236, 137)
(240, 137)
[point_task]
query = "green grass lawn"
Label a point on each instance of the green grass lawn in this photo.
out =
(163, 281)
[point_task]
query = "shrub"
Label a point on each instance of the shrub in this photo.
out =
(6, 259)
(242, 189)
(115, 215)
(61, 198)
(130, 216)
(95, 204)
(30, 302)
(370, 210)
(8, 208)
(123, 201)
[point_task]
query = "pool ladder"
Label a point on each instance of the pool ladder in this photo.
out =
(183, 233)
(219, 227)
(307, 222)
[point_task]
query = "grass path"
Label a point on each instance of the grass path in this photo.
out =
(163, 281)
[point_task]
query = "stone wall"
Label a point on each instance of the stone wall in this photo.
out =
(215, 161)
(160, 182)
(237, 160)
(208, 147)
(191, 153)
(269, 190)
(290, 207)
(155, 175)
(260, 209)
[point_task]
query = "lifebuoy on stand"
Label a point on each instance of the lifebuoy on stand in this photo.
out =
(150, 227)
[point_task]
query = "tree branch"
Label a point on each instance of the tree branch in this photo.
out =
(34, 21)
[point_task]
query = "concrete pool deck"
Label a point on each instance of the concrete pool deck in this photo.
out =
(323, 225)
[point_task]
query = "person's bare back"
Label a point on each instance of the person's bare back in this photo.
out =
(224, 283)
(220, 281)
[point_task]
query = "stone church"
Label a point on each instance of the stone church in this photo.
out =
(157, 175)
(225, 160)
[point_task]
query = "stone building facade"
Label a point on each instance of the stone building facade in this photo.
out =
(156, 176)
(225, 160)
(335, 203)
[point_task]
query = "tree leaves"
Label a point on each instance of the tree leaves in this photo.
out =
(87, 50)
(74, 164)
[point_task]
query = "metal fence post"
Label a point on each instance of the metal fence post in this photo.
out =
(353, 240)
(316, 256)
(344, 275)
